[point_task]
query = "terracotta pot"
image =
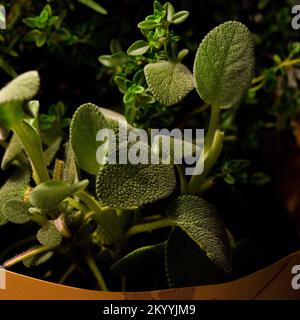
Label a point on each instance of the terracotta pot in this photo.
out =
(273, 282)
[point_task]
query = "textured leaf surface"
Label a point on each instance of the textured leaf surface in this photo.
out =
(169, 82)
(49, 236)
(224, 64)
(70, 174)
(173, 150)
(86, 122)
(127, 186)
(51, 193)
(37, 259)
(24, 87)
(113, 118)
(13, 150)
(13, 189)
(201, 222)
(139, 259)
(186, 264)
(16, 211)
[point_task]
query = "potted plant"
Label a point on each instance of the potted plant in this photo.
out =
(125, 223)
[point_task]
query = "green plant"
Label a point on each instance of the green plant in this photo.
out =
(142, 105)
(91, 213)
(47, 28)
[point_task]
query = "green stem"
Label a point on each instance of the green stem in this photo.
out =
(210, 158)
(90, 201)
(261, 79)
(25, 255)
(105, 217)
(183, 182)
(147, 227)
(213, 127)
(96, 272)
(207, 152)
(34, 153)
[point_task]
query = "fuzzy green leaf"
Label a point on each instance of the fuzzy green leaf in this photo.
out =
(128, 186)
(172, 150)
(114, 119)
(37, 259)
(224, 65)
(139, 259)
(16, 211)
(12, 151)
(13, 189)
(86, 122)
(49, 236)
(70, 174)
(138, 48)
(51, 193)
(24, 87)
(3, 219)
(169, 82)
(200, 221)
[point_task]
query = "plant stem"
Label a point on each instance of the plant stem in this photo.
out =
(96, 272)
(210, 158)
(105, 217)
(90, 201)
(213, 127)
(34, 153)
(183, 182)
(261, 79)
(147, 227)
(207, 154)
(27, 254)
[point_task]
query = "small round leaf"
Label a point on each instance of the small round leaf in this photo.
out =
(169, 82)
(49, 236)
(138, 48)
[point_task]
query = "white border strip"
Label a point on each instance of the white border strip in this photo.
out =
(2, 278)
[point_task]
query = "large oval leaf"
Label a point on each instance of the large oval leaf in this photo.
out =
(128, 186)
(224, 64)
(86, 122)
(24, 87)
(200, 221)
(51, 193)
(169, 82)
